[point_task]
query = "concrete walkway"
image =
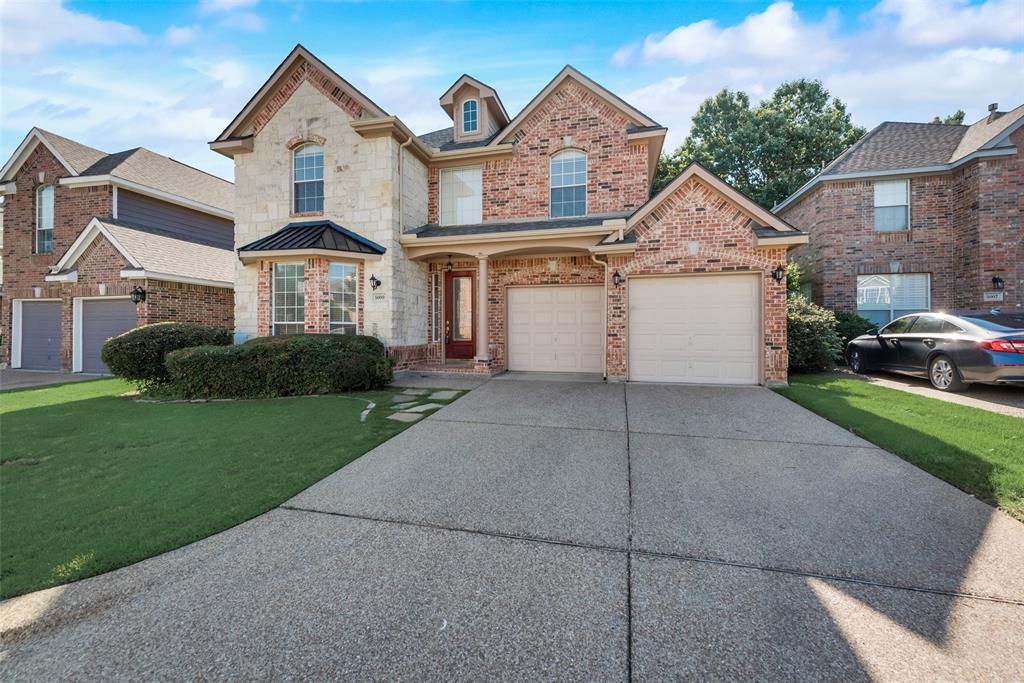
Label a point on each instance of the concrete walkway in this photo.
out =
(571, 531)
(20, 379)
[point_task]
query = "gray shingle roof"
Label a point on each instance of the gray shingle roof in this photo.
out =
(75, 153)
(444, 140)
(315, 235)
(434, 230)
(980, 132)
(160, 253)
(894, 145)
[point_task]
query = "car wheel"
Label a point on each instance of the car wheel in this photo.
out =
(944, 376)
(855, 358)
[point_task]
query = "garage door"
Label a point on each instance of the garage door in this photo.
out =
(40, 335)
(555, 329)
(701, 329)
(102, 320)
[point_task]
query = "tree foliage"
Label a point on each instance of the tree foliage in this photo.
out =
(956, 119)
(767, 151)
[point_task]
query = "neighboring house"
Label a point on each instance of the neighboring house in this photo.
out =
(917, 217)
(524, 242)
(84, 229)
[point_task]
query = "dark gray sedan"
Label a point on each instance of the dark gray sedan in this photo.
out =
(952, 351)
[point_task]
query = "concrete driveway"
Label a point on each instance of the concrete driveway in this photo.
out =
(572, 531)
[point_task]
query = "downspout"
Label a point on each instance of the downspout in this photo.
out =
(604, 344)
(401, 175)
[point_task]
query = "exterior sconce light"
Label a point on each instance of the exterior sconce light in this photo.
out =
(616, 278)
(779, 273)
(138, 295)
(374, 282)
(997, 282)
(449, 263)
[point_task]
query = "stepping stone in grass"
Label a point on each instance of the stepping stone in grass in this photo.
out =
(443, 395)
(403, 406)
(414, 392)
(405, 417)
(425, 407)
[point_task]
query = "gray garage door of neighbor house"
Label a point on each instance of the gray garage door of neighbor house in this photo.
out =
(40, 335)
(101, 320)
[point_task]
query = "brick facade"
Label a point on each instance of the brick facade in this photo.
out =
(965, 229)
(98, 267)
(517, 187)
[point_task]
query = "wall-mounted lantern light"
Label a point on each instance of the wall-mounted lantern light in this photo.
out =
(449, 263)
(779, 273)
(997, 282)
(374, 282)
(138, 295)
(616, 278)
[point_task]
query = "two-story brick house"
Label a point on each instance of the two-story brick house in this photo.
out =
(95, 244)
(917, 216)
(525, 242)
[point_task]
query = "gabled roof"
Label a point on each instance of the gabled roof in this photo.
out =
(636, 117)
(232, 131)
(486, 92)
(761, 218)
(897, 148)
(314, 235)
(155, 255)
(137, 167)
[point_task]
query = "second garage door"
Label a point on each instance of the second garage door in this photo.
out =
(101, 320)
(701, 329)
(555, 329)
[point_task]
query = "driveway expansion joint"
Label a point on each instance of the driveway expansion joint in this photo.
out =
(439, 417)
(631, 552)
(869, 447)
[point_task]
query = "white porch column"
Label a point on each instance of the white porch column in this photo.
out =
(481, 307)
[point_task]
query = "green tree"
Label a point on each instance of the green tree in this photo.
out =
(770, 150)
(956, 119)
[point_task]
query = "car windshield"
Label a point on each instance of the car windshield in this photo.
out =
(997, 322)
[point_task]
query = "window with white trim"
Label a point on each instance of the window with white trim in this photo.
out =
(881, 298)
(569, 184)
(470, 116)
(308, 179)
(44, 219)
(892, 207)
(435, 307)
(341, 278)
(461, 196)
(289, 296)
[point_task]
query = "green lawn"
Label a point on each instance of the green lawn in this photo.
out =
(91, 481)
(975, 450)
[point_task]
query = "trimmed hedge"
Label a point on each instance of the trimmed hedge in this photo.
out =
(850, 325)
(297, 365)
(138, 354)
(813, 342)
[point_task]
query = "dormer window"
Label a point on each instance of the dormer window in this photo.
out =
(44, 219)
(470, 116)
(308, 179)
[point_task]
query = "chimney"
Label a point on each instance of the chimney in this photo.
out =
(993, 112)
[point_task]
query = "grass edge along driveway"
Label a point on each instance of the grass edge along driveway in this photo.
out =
(977, 451)
(92, 481)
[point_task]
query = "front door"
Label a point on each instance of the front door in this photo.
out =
(458, 318)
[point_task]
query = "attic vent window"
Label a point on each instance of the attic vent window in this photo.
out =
(470, 120)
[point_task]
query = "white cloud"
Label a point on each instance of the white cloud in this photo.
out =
(777, 34)
(32, 28)
(625, 54)
(214, 6)
(229, 73)
(181, 35)
(944, 22)
(248, 21)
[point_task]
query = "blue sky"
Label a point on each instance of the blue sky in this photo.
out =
(170, 75)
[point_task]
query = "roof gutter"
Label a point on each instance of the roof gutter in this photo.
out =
(913, 171)
(139, 274)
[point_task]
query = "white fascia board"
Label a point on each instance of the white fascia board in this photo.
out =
(141, 274)
(250, 256)
(920, 170)
(94, 229)
(414, 240)
(84, 181)
(8, 188)
(33, 138)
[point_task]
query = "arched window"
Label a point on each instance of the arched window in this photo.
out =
(308, 179)
(44, 219)
(569, 184)
(470, 120)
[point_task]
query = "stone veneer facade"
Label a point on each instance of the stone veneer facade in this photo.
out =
(965, 229)
(98, 268)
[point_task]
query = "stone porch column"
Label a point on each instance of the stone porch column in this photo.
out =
(482, 313)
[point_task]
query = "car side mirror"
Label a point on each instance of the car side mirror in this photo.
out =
(873, 332)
